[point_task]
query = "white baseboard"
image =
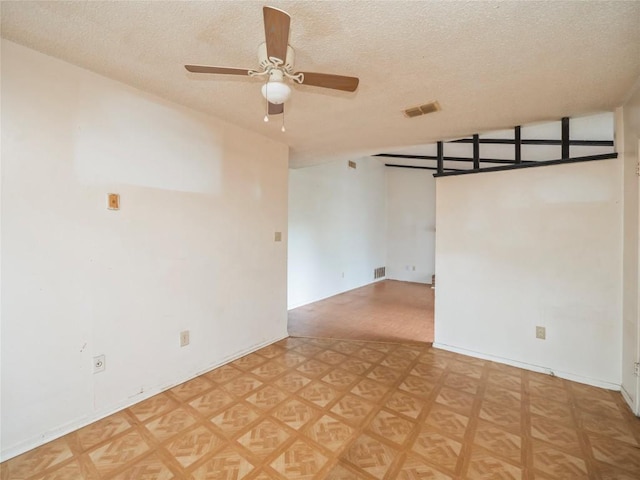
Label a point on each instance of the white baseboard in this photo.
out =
(629, 400)
(528, 366)
(76, 424)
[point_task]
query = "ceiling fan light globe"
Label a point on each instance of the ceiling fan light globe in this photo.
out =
(276, 92)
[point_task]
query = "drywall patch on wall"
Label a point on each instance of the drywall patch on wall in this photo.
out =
(527, 248)
(411, 222)
(79, 280)
(337, 225)
(188, 160)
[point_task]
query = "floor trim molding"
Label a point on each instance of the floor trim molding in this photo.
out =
(629, 401)
(528, 366)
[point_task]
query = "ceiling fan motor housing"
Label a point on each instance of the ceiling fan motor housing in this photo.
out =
(265, 63)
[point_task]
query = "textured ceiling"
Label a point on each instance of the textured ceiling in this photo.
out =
(491, 65)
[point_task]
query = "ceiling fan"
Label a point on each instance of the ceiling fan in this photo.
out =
(276, 58)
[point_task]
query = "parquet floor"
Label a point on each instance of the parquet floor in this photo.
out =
(343, 409)
(389, 310)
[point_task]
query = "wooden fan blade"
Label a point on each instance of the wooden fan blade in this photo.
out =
(276, 32)
(276, 109)
(221, 70)
(337, 82)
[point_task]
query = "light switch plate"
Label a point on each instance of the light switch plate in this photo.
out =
(184, 338)
(278, 236)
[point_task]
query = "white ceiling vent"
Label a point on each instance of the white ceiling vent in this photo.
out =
(422, 109)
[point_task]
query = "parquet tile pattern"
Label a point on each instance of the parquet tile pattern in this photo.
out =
(307, 408)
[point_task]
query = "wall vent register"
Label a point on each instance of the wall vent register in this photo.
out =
(379, 272)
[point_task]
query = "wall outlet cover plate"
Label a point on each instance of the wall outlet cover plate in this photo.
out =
(99, 363)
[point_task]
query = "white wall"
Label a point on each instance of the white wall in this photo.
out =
(411, 222)
(627, 143)
(539, 246)
(336, 228)
(191, 248)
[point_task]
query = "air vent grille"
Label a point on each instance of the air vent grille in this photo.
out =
(413, 112)
(422, 109)
(379, 272)
(352, 164)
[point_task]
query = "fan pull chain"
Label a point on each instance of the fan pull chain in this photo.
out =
(266, 102)
(283, 129)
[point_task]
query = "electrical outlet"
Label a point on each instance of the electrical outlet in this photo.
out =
(541, 333)
(184, 338)
(99, 364)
